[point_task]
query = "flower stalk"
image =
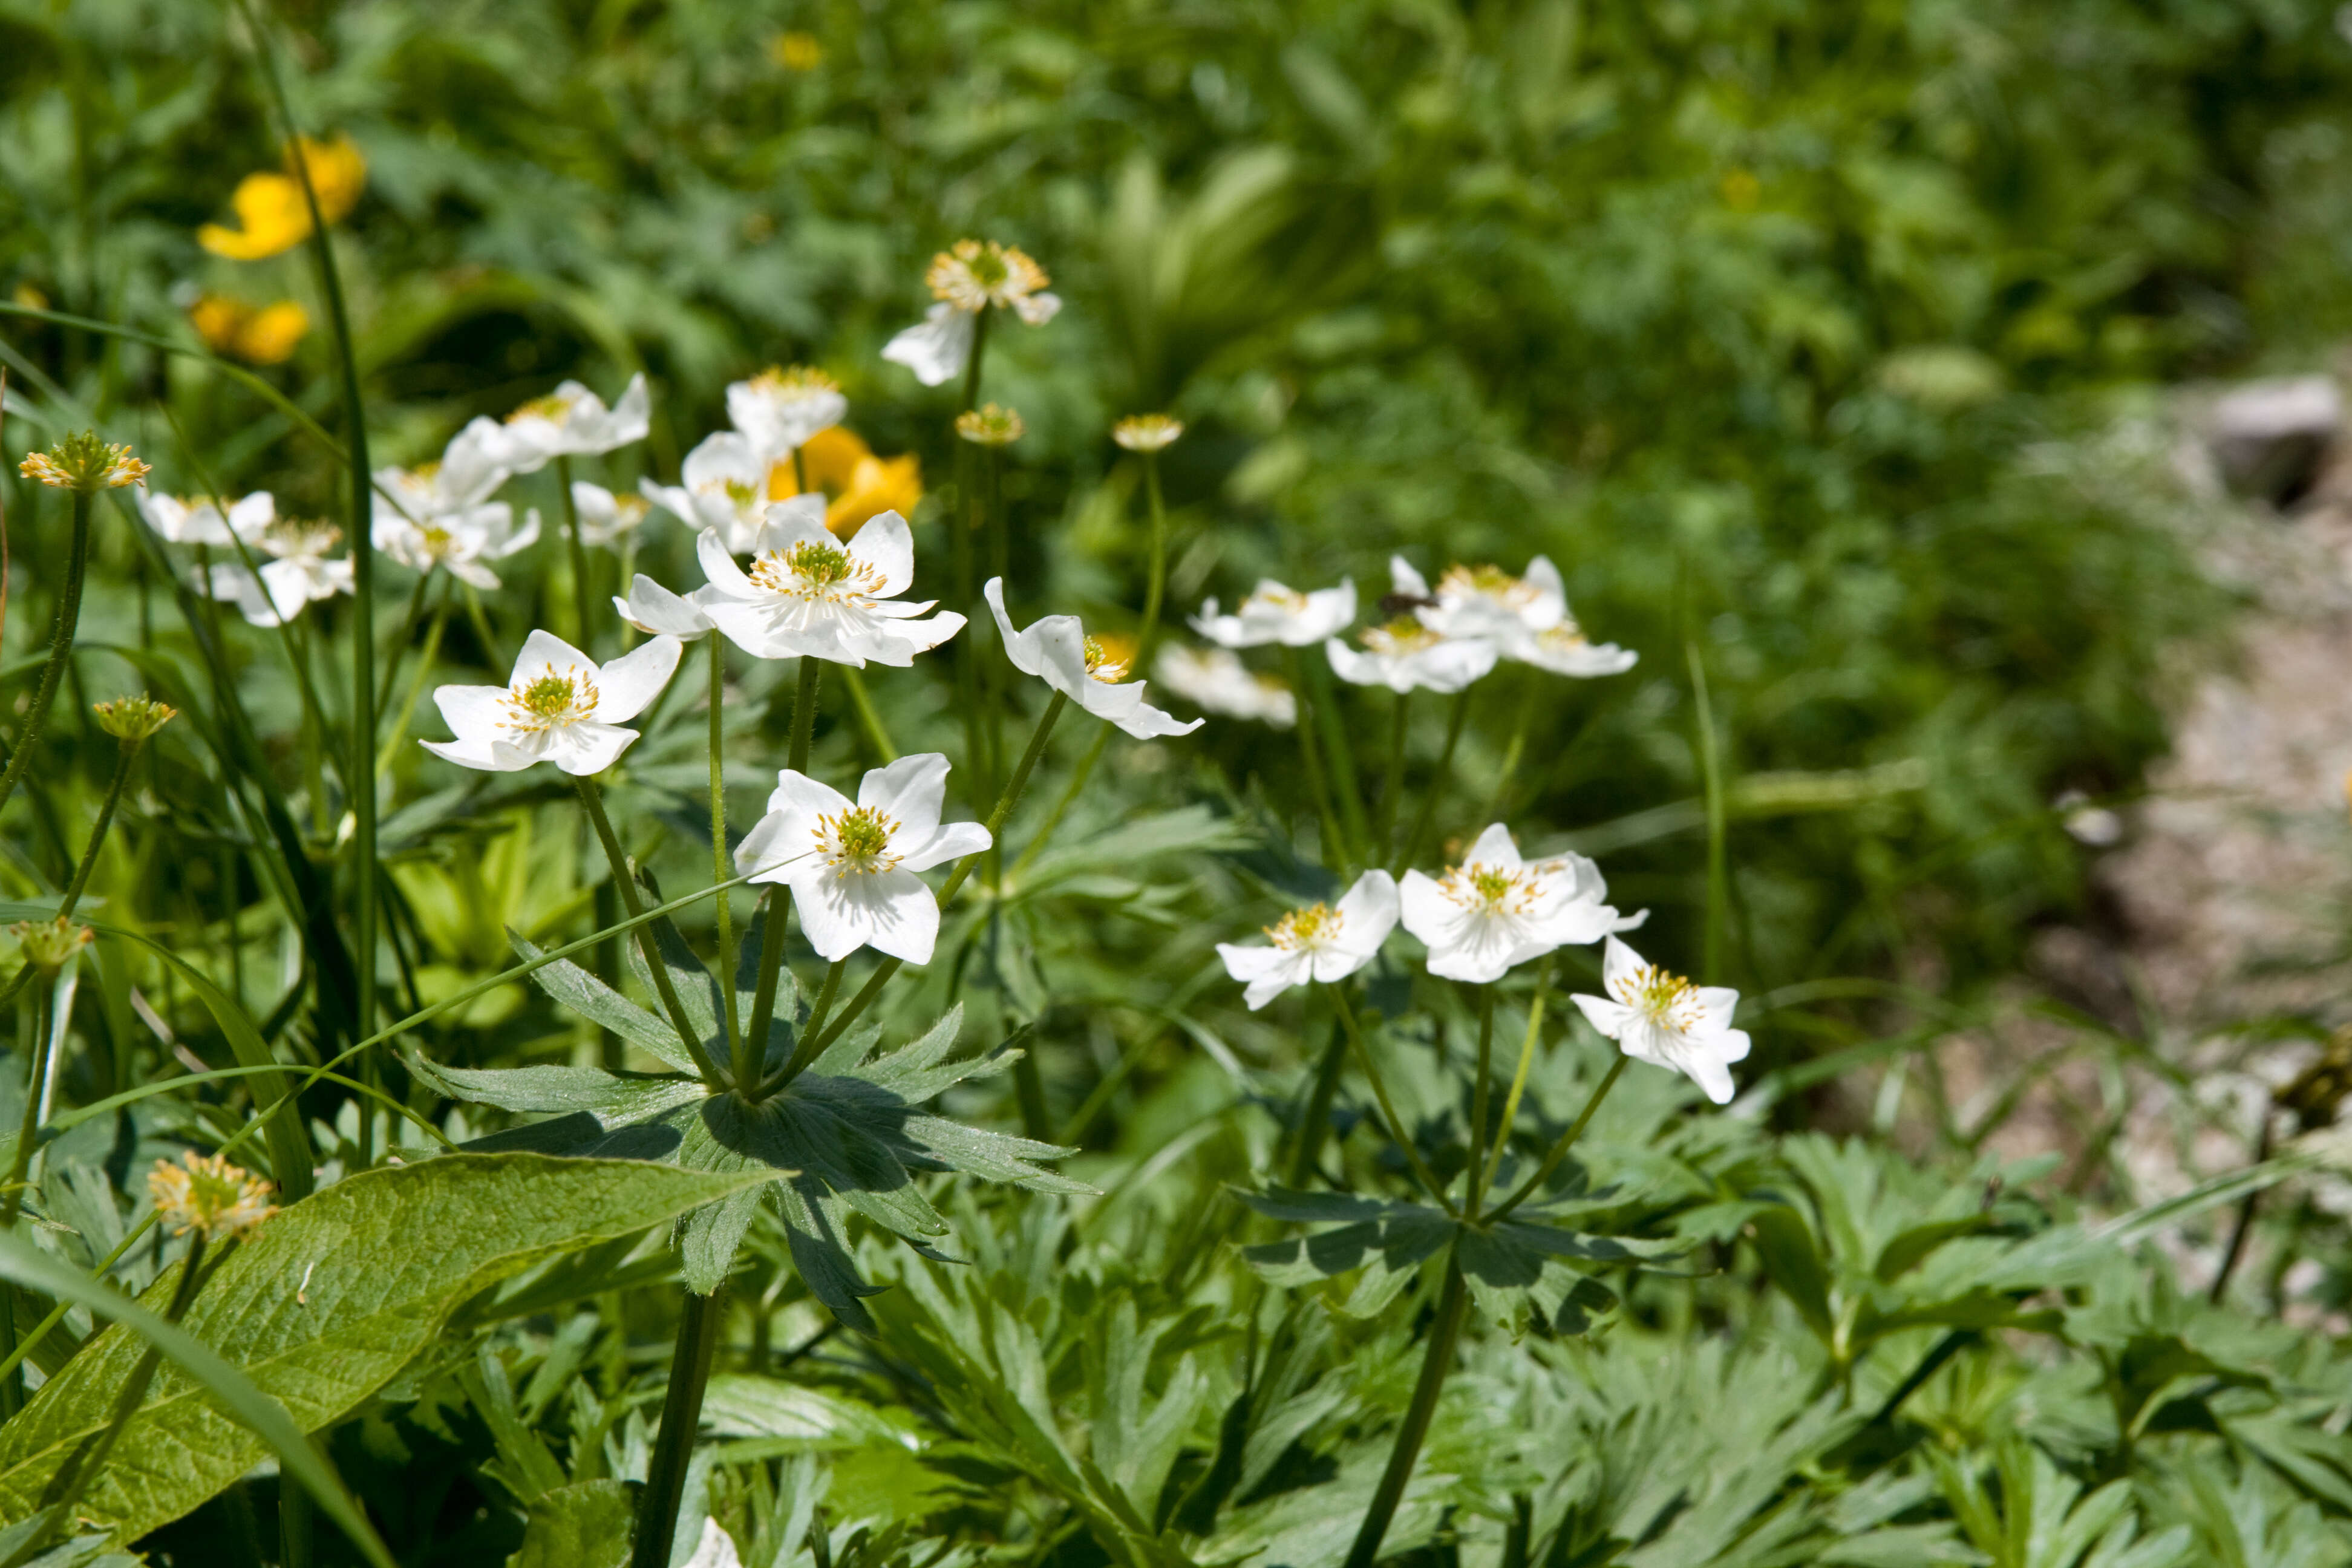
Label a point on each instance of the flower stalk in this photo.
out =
(698, 1325)
(1398, 1133)
(576, 551)
(1421, 820)
(62, 628)
(746, 1057)
(593, 799)
(1436, 1361)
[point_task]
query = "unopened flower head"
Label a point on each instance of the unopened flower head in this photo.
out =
(1320, 942)
(205, 1194)
(1495, 910)
(990, 426)
(1147, 432)
(1660, 1018)
(851, 865)
(83, 462)
(133, 719)
(50, 945)
(559, 706)
(1089, 672)
(1215, 678)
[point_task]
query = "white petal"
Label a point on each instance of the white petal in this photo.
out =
(1020, 648)
(1426, 909)
(1368, 913)
(587, 747)
(885, 544)
(909, 790)
(950, 841)
(1494, 847)
(891, 912)
(809, 797)
(1619, 966)
(1036, 309)
(1355, 665)
(471, 711)
(489, 756)
(1609, 1017)
(936, 348)
(652, 608)
(716, 1548)
(1404, 580)
(624, 686)
(774, 845)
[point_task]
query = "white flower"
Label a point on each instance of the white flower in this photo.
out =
(715, 1550)
(724, 485)
(656, 610)
(1274, 612)
(469, 468)
(572, 421)
(299, 573)
(1216, 679)
(200, 520)
(1406, 654)
(605, 518)
(1526, 617)
(560, 707)
(1663, 1019)
(851, 869)
(1317, 943)
(1493, 912)
(810, 595)
(966, 280)
(460, 541)
(777, 410)
(1057, 651)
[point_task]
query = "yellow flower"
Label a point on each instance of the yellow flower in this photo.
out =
(857, 485)
(265, 335)
(205, 1192)
(272, 216)
(797, 51)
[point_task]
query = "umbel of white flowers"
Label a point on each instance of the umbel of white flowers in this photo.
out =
(560, 706)
(809, 594)
(851, 866)
(1320, 942)
(1057, 651)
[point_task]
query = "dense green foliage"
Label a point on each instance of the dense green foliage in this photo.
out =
(1792, 333)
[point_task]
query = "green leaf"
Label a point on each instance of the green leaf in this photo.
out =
(1785, 1244)
(589, 1524)
(261, 1424)
(320, 1307)
(573, 986)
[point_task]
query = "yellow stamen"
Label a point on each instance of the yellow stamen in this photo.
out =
(1315, 926)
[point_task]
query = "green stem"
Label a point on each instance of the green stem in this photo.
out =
(971, 366)
(1315, 1121)
(1347, 789)
(746, 1061)
(1473, 1172)
(1335, 847)
(488, 640)
(1157, 584)
(400, 643)
(1397, 1130)
(578, 551)
(360, 784)
(61, 637)
(432, 650)
(1385, 843)
(698, 1324)
(1519, 1079)
(123, 758)
(1560, 1150)
(813, 1043)
(1070, 793)
(1718, 882)
(1436, 1361)
(1428, 812)
(1497, 798)
(12, 1382)
(804, 695)
(134, 1392)
(869, 720)
(771, 965)
(591, 798)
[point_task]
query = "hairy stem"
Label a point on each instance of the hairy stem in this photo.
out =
(1310, 756)
(577, 549)
(1558, 1151)
(690, 1374)
(1315, 1118)
(746, 1061)
(1519, 1079)
(1384, 836)
(1398, 1133)
(1474, 1174)
(1436, 1361)
(1156, 585)
(1428, 797)
(591, 798)
(61, 637)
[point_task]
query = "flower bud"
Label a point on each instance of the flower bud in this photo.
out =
(205, 1193)
(133, 719)
(83, 462)
(1147, 432)
(50, 945)
(990, 425)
